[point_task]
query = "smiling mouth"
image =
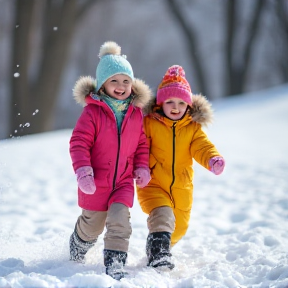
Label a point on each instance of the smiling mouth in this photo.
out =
(175, 111)
(120, 93)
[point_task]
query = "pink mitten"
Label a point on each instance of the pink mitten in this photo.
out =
(216, 165)
(142, 176)
(85, 179)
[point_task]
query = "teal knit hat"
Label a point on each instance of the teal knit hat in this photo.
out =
(111, 63)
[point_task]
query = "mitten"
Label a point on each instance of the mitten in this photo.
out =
(216, 165)
(142, 176)
(85, 179)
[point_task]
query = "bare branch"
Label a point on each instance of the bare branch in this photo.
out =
(192, 40)
(20, 62)
(237, 72)
(282, 13)
(230, 26)
(256, 18)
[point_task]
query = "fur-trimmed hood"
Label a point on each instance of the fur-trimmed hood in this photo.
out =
(201, 110)
(86, 85)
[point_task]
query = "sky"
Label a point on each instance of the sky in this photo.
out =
(238, 232)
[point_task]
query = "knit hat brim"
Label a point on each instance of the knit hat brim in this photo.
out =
(171, 92)
(174, 84)
(111, 63)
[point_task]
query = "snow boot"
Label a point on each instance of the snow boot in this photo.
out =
(115, 262)
(79, 247)
(158, 250)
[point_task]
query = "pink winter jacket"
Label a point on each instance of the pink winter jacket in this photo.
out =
(113, 156)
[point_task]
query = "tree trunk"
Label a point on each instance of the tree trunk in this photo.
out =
(191, 38)
(58, 29)
(282, 13)
(237, 68)
(19, 104)
(237, 71)
(33, 100)
(230, 28)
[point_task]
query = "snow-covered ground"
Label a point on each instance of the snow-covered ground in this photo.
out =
(238, 234)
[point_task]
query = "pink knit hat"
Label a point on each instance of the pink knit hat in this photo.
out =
(174, 84)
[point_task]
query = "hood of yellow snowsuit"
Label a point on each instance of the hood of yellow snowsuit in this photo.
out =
(173, 148)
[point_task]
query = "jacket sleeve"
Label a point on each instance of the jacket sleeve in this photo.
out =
(141, 158)
(82, 139)
(202, 149)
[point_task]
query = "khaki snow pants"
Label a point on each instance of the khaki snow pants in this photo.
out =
(90, 225)
(161, 219)
(167, 219)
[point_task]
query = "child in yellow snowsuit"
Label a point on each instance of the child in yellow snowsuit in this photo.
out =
(174, 131)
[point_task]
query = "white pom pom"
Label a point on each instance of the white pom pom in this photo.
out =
(109, 47)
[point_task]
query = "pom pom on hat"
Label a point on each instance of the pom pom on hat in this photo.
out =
(109, 47)
(111, 63)
(174, 84)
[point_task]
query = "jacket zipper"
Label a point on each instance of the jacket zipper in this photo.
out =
(173, 162)
(119, 143)
(117, 160)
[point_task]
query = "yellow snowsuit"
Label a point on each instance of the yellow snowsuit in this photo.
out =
(173, 146)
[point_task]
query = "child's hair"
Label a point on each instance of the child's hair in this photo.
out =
(111, 63)
(174, 84)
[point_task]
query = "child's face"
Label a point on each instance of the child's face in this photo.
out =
(174, 108)
(118, 86)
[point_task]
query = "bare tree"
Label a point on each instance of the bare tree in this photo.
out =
(281, 7)
(238, 70)
(32, 93)
(237, 67)
(191, 38)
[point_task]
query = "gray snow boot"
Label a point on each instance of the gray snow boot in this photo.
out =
(79, 247)
(158, 250)
(115, 262)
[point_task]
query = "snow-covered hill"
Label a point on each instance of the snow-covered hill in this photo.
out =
(238, 235)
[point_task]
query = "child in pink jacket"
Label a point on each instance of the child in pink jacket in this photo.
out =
(109, 150)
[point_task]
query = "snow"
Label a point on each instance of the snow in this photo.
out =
(238, 234)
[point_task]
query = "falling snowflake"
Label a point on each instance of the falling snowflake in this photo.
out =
(36, 111)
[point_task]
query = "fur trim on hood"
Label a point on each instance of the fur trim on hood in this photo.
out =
(86, 85)
(200, 111)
